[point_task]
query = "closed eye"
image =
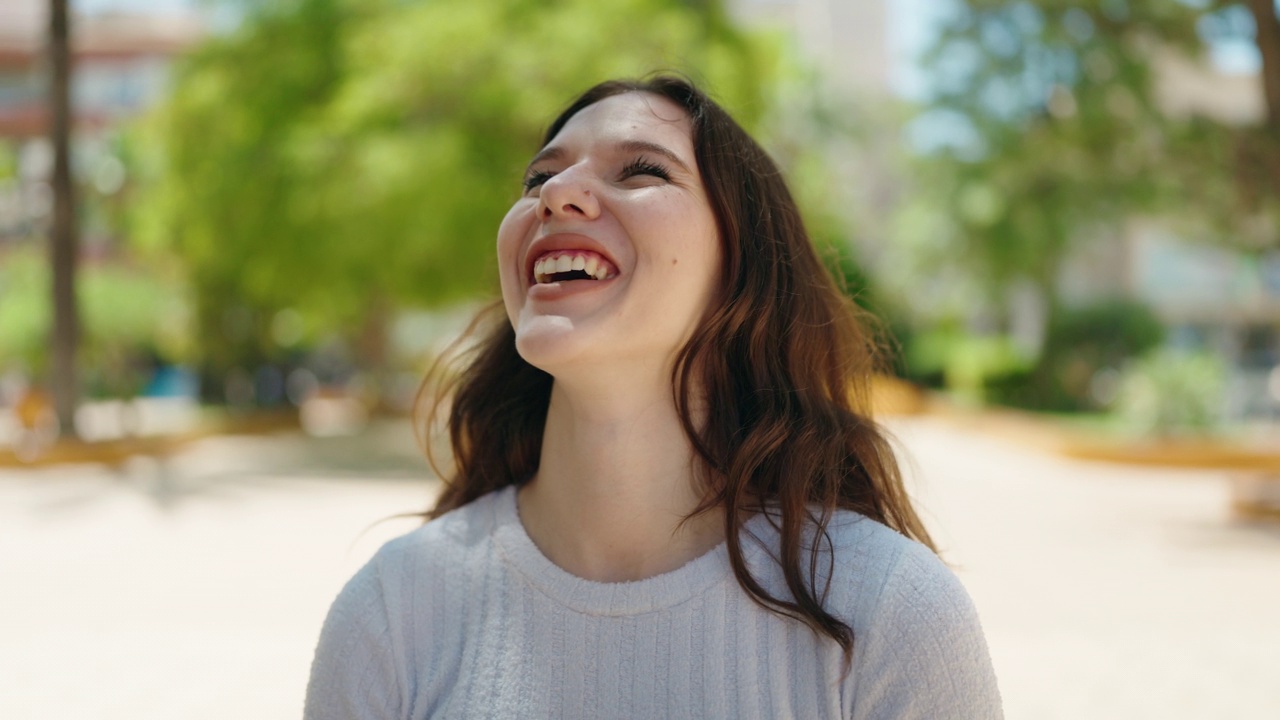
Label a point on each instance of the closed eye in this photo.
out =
(637, 167)
(641, 166)
(536, 179)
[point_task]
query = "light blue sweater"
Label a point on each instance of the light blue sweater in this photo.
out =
(465, 618)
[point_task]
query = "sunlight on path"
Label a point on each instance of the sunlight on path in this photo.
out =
(1106, 591)
(197, 597)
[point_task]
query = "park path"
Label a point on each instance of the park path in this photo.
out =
(195, 588)
(1106, 591)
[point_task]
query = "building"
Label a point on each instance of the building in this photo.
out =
(121, 64)
(849, 40)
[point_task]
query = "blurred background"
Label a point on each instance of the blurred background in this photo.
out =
(1067, 208)
(229, 255)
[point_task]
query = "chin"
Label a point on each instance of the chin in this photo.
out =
(549, 342)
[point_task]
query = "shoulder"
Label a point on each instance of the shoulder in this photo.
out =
(919, 648)
(889, 586)
(876, 572)
(436, 565)
(393, 607)
(856, 558)
(448, 541)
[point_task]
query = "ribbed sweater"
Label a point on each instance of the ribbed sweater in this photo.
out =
(466, 618)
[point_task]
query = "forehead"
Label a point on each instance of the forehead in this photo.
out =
(630, 116)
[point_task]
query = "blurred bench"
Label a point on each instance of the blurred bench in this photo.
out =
(1256, 495)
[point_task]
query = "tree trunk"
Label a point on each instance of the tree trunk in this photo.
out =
(1044, 374)
(373, 346)
(64, 243)
(1268, 38)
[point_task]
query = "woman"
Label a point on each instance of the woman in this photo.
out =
(667, 501)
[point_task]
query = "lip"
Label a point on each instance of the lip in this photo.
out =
(562, 241)
(547, 292)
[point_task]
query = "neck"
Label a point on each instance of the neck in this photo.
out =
(614, 485)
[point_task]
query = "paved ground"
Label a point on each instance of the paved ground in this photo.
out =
(195, 588)
(1106, 591)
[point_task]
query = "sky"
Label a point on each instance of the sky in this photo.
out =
(910, 30)
(95, 6)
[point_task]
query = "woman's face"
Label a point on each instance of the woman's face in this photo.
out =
(611, 253)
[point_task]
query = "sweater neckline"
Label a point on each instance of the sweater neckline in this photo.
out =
(590, 597)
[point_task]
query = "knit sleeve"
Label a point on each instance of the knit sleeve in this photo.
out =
(354, 675)
(921, 654)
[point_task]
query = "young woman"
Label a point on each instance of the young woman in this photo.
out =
(667, 498)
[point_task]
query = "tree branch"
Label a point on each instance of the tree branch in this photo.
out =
(1268, 38)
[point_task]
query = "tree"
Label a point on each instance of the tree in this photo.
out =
(63, 240)
(1230, 175)
(1055, 132)
(345, 158)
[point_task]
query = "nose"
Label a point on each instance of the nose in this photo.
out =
(568, 195)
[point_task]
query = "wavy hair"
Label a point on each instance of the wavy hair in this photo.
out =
(784, 359)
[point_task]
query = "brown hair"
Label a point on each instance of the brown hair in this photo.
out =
(784, 359)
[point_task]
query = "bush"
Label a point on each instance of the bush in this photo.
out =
(1082, 345)
(961, 362)
(1168, 392)
(130, 321)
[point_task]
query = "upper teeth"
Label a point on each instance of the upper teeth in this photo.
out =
(588, 262)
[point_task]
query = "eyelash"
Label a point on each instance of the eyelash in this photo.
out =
(638, 166)
(535, 179)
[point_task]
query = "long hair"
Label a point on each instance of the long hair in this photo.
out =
(783, 360)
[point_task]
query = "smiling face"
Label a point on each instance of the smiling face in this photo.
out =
(611, 254)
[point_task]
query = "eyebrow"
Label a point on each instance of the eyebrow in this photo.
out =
(626, 146)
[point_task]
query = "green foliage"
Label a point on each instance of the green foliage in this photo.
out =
(1105, 333)
(1048, 132)
(1049, 125)
(126, 314)
(1172, 393)
(25, 315)
(1084, 347)
(963, 363)
(8, 161)
(340, 157)
(1055, 128)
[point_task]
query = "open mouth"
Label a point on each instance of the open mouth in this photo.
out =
(567, 265)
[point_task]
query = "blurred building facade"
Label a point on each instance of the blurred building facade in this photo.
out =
(120, 67)
(857, 67)
(849, 40)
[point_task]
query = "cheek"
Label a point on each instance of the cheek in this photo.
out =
(512, 233)
(702, 251)
(511, 236)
